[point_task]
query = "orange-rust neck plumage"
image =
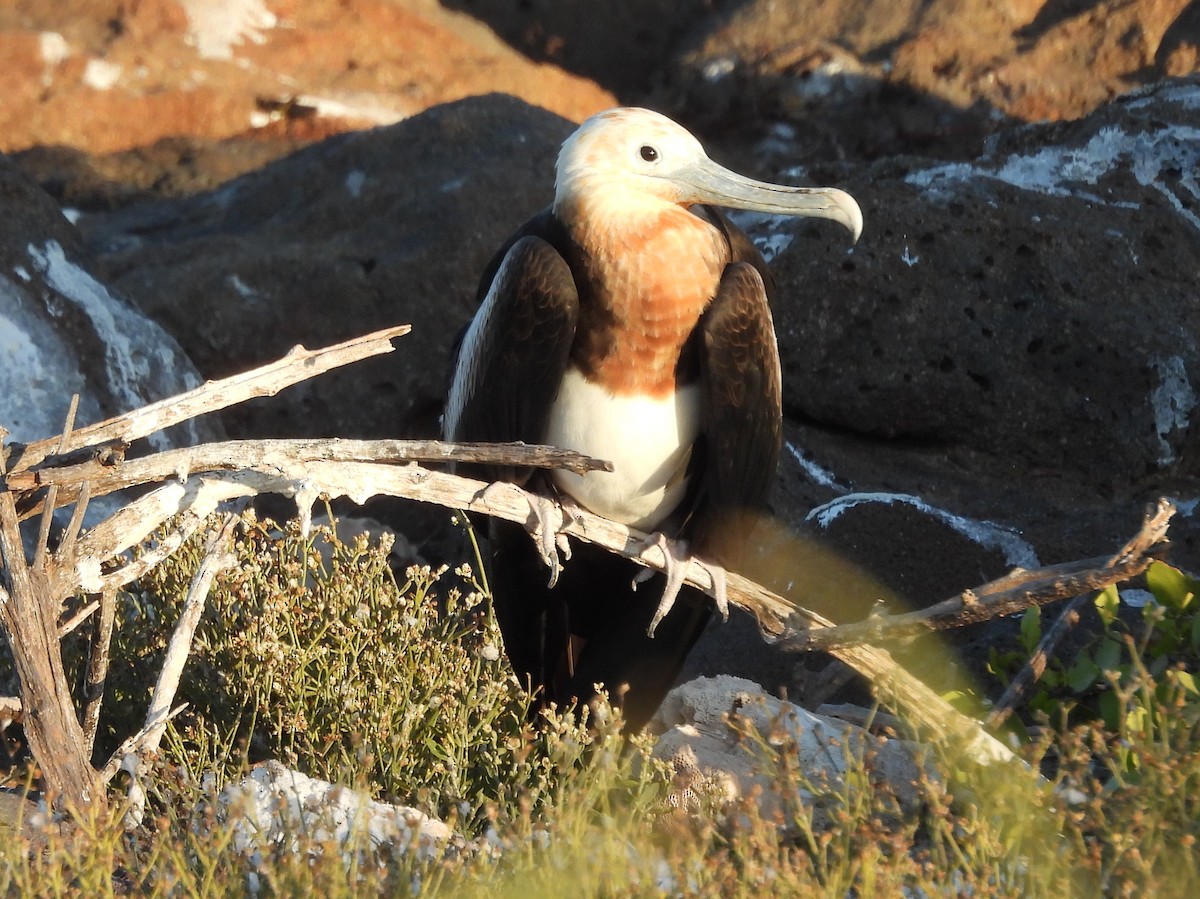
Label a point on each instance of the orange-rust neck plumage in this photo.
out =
(652, 268)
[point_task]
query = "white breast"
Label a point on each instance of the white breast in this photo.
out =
(648, 441)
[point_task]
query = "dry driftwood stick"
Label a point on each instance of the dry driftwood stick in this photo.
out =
(232, 455)
(298, 365)
(39, 557)
(125, 755)
(72, 624)
(97, 667)
(132, 753)
(1152, 533)
(306, 480)
(1035, 666)
(1009, 594)
(132, 524)
(30, 615)
(217, 557)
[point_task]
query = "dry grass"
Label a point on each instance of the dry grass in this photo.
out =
(313, 652)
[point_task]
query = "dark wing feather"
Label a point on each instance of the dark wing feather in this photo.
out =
(741, 396)
(507, 370)
(511, 360)
(591, 627)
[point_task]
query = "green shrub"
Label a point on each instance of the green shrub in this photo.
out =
(312, 651)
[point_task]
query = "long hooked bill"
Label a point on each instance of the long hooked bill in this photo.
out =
(707, 182)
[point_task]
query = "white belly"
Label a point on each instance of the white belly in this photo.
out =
(648, 441)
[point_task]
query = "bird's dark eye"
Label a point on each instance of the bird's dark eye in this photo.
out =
(648, 153)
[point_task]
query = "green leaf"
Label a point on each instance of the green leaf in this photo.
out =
(1110, 709)
(1108, 655)
(1137, 719)
(1083, 674)
(1170, 586)
(1187, 680)
(1107, 602)
(1031, 628)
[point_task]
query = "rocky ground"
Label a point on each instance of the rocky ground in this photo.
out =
(1000, 373)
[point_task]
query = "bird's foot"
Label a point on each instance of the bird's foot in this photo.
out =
(677, 560)
(547, 523)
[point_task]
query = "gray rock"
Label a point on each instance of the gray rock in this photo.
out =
(63, 331)
(704, 726)
(272, 805)
(1038, 304)
(359, 232)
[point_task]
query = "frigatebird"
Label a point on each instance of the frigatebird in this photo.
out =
(628, 321)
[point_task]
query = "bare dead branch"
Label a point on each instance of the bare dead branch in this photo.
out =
(66, 549)
(29, 614)
(1035, 666)
(39, 557)
(194, 482)
(132, 524)
(126, 754)
(217, 557)
(234, 455)
(184, 526)
(298, 365)
(1152, 533)
(307, 480)
(1012, 593)
(72, 624)
(97, 667)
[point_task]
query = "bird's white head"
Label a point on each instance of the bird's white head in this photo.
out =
(641, 154)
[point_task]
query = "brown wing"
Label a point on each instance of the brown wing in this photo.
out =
(512, 357)
(741, 396)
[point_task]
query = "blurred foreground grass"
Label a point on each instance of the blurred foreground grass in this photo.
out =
(314, 653)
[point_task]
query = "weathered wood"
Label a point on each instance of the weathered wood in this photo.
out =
(1007, 595)
(109, 476)
(307, 480)
(217, 557)
(96, 676)
(298, 365)
(29, 614)
(194, 482)
(32, 595)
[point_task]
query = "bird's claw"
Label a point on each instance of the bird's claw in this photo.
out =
(547, 522)
(677, 560)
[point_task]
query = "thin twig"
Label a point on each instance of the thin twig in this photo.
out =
(184, 527)
(306, 481)
(66, 549)
(234, 455)
(217, 558)
(39, 554)
(298, 365)
(1152, 533)
(131, 747)
(1012, 593)
(97, 667)
(1035, 666)
(72, 624)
